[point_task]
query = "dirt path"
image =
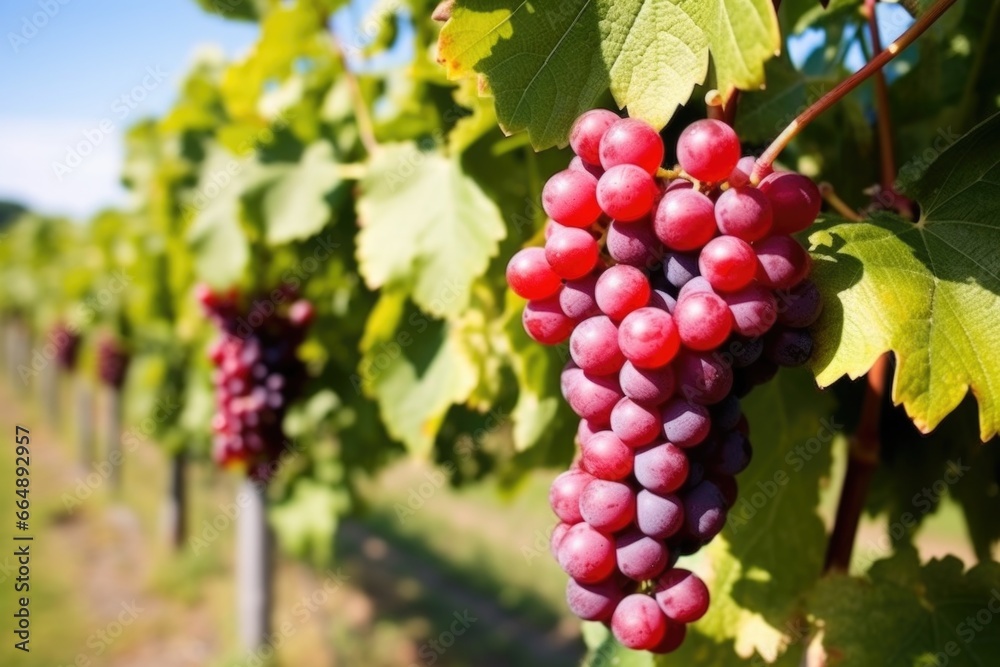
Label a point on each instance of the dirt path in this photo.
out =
(110, 603)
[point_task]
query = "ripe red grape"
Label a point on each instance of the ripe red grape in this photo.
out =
(631, 141)
(570, 198)
(684, 220)
(530, 276)
(620, 290)
(795, 200)
(708, 150)
(648, 337)
(727, 263)
(626, 192)
(586, 133)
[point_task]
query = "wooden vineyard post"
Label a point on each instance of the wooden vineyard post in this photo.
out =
(254, 571)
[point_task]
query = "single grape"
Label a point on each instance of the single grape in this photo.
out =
(727, 263)
(640, 557)
(685, 424)
(704, 511)
(586, 133)
(605, 456)
(592, 397)
(607, 506)
(800, 306)
(679, 268)
(732, 454)
(647, 386)
(635, 424)
(696, 284)
(564, 495)
(530, 276)
(638, 622)
(594, 345)
(708, 150)
(631, 141)
(682, 595)
(789, 347)
(571, 252)
(744, 212)
(634, 243)
(586, 554)
(545, 321)
(745, 351)
(301, 313)
(577, 300)
(703, 320)
(672, 638)
(577, 164)
(593, 602)
(782, 262)
(626, 192)
(658, 516)
(570, 198)
(585, 430)
(702, 378)
(662, 300)
(620, 290)
(648, 337)
(661, 468)
(726, 413)
(795, 199)
(727, 486)
(684, 220)
(754, 310)
(556, 538)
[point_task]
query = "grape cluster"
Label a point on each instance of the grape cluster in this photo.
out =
(678, 292)
(112, 362)
(257, 374)
(67, 345)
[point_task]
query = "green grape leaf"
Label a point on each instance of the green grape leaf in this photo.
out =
(906, 615)
(929, 292)
(546, 65)
(298, 205)
(217, 212)
(425, 226)
(415, 368)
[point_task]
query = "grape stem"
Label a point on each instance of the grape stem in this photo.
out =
(886, 152)
(366, 127)
(838, 204)
(847, 85)
(863, 457)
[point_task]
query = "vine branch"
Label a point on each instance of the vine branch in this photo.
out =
(862, 460)
(366, 127)
(847, 85)
(886, 151)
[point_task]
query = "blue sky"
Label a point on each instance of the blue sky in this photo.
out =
(61, 75)
(75, 71)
